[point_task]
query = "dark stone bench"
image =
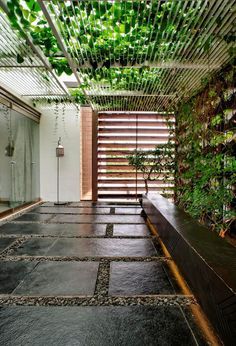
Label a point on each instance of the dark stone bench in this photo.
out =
(207, 262)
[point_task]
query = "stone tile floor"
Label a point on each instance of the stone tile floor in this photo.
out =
(89, 274)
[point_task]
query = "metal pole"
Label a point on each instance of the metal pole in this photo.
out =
(58, 180)
(59, 152)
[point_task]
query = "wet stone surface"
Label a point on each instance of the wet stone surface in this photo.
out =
(86, 247)
(131, 230)
(34, 217)
(131, 211)
(138, 278)
(50, 229)
(60, 278)
(68, 210)
(94, 326)
(87, 274)
(36, 247)
(11, 274)
(5, 242)
(123, 219)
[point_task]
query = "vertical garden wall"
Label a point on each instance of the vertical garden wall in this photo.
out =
(206, 149)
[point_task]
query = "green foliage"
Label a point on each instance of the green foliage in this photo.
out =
(206, 164)
(102, 33)
(156, 162)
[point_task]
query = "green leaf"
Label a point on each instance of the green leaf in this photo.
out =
(19, 59)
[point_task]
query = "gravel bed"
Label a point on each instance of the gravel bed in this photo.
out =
(10, 249)
(112, 210)
(98, 300)
(29, 236)
(102, 283)
(7, 257)
(109, 230)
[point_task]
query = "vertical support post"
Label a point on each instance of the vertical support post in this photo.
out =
(86, 153)
(94, 157)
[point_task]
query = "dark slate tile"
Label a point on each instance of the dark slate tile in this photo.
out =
(53, 229)
(11, 273)
(131, 230)
(32, 228)
(83, 204)
(98, 219)
(101, 204)
(47, 204)
(5, 242)
(131, 211)
(83, 230)
(35, 247)
(103, 248)
(86, 247)
(60, 278)
(94, 326)
(33, 217)
(137, 278)
(67, 210)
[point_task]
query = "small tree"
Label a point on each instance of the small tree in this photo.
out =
(154, 163)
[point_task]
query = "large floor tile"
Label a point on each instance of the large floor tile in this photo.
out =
(130, 211)
(5, 242)
(11, 274)
(94, 326)
(83, 230)
(103, 248)
(137, 278)
(33, 217)
(131, 219)
(35, 247)
(53, 229)
(86, 247)
(131, 230)
(32, 228)
(67, 210)
(60, 278)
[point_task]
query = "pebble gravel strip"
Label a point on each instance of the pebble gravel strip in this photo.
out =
(81, 259)
(29, 236)
(98, 300)
(12, 247)
(103, 277)
(109, 230)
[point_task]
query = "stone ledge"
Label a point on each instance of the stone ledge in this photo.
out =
(206, 261)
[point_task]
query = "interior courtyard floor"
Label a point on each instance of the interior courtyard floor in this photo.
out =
(89, 274)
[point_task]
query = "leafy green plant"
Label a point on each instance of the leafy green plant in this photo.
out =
(155, 163)
(206, 164)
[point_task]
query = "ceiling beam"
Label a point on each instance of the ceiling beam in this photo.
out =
(60, 42)
(37, 51)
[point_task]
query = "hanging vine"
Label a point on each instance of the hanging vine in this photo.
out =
(206, 151)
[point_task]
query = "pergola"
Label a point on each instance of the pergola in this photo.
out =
(134, 55)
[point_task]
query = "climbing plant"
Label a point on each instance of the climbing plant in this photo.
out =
(206, 149)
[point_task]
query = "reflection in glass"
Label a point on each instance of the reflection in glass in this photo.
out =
(19, 159)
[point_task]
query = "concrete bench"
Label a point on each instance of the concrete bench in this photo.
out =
(207, 262)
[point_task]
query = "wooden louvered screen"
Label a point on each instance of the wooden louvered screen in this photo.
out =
(118, 135)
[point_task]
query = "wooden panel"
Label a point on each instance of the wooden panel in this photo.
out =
(118, 135)
(86, 153)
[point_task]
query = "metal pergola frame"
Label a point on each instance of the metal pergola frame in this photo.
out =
(178, 70)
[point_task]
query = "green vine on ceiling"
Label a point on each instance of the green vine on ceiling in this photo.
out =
(102, 33)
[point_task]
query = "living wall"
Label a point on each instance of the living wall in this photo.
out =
(206, 149)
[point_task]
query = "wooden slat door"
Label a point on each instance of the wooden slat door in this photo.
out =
(118, 135)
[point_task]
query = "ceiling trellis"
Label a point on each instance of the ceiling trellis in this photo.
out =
(136, 55)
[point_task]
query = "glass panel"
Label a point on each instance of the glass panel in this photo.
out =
(19, 155)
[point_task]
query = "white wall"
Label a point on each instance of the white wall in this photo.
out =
(69, 164)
